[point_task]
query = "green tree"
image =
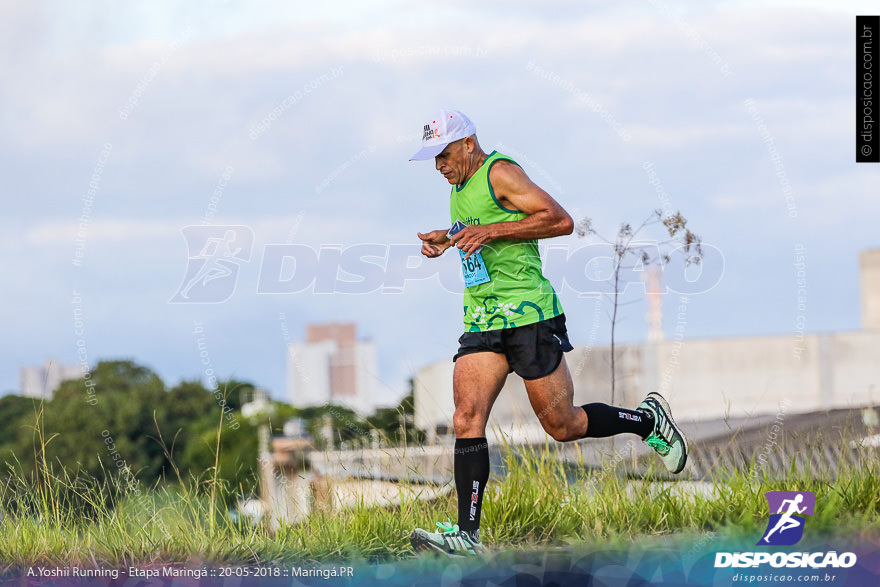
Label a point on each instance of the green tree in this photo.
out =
(398, 424)
(191, 410)
(15, 414)
(12, 409)
(119, 428)
(133, 422)
(197, 428)
(238, 459)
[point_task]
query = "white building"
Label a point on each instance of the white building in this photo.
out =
(41, 382)
(332, 366)
(703, 379)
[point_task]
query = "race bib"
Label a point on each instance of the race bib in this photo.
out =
(473, 268)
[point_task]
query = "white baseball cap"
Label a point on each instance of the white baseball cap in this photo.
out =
(444, 127)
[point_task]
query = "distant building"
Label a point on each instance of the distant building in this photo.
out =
(255, 401)
(41, 382)
(333, 367)
(295, 428)
(703, 379)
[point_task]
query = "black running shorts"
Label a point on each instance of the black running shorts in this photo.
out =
(533, 351)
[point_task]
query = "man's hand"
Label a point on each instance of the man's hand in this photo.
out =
(470, 238)
(434, 243)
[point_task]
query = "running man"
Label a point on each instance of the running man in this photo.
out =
(513, 322)
(786, 521)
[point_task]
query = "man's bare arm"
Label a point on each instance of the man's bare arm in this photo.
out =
(515, 191)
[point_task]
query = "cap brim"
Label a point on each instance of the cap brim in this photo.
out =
(428, 152)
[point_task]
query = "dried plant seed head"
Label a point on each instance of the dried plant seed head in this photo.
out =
(584, 226)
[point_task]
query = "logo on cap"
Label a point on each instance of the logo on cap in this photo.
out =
(430, 133)
(446, 126)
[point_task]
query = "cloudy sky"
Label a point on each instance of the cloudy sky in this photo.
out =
(126, 122)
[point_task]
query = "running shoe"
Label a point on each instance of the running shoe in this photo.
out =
(449, 540)
(666, 439)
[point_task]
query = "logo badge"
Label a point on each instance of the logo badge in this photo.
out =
(786, 524)
(214, 256)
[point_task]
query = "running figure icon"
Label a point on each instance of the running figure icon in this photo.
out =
(786, 521)
(214, 251)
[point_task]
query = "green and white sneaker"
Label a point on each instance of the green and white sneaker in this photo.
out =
(666, 438)
(449, 540)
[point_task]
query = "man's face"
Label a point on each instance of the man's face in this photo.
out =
(452, 161)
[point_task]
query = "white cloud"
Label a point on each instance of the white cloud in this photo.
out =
(101, 230)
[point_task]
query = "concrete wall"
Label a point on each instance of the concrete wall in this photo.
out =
(869, 282)
(702, 379)
(432, 395)
(512, 414)
(739, 377)
(856, 376)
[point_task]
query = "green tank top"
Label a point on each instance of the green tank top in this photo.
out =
(518, 293)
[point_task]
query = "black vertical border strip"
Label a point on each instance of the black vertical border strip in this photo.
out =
(867, 74)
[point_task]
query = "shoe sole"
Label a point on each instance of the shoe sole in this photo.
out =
(420, 544)
(668, 413)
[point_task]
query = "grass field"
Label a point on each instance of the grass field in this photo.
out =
(65, 521)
